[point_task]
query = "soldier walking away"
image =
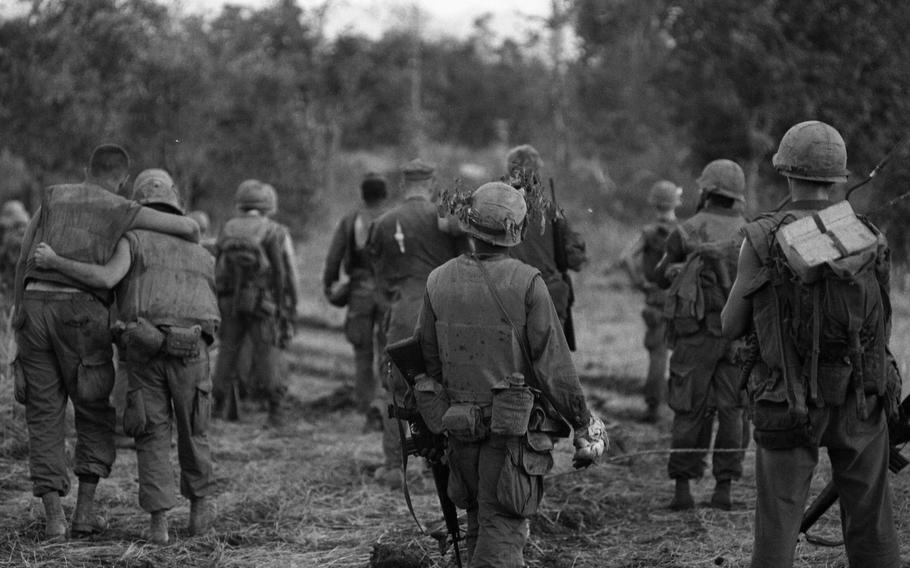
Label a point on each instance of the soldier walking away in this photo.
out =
(13, 221)
(257, 282)
(488, 335)
(697, 269)
(639, 260)
(168, 315)
(821, 379)
(62, 334)
(406, 243)
(539, 247)
(365, 308)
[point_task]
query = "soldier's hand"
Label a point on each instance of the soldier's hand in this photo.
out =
(590, 443)
(44, 256)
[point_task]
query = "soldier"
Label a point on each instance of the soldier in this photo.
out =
(257, 284)
(62, 334)
(482, 368)
(365, 307)
(163, 331)
(704, 382)
(639, 261)
(539, 248)
(826, 387)
(405, 244)
(13, 221)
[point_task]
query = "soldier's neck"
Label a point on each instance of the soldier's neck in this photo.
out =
(807, 191)
(666, 216)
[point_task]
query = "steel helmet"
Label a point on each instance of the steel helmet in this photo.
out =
(156, 186)
(253, 194)
(665, 195)
(814, 151)
(525, 157)
(497, 214)
(723, 177)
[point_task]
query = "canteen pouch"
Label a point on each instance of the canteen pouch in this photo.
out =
(183, 342)
(464, 422)
(512, 404)
(432, 402)
(139, 340)
(519, 488)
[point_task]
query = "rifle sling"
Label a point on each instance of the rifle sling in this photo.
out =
(404, 468)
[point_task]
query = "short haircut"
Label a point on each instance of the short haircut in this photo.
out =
(109, 161)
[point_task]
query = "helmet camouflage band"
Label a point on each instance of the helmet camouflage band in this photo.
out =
(665, 195)
(814, 151)
(254, 194)
(496, 214)
(723, 177)
(156, 186)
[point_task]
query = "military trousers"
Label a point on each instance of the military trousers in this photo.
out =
(496, 534)
(65, 353)
(265, 369)
(858, 451)
(704, 387)
(658, 355)
(169, 390)
(363, 329)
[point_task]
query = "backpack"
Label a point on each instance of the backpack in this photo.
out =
(243, 266)
(835, 324)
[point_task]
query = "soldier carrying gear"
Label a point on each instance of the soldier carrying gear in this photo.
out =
(168, 316)
(640, 260)
(58, 361)
(704, 381)
(501, 405)
(406, 243)
(365, 308)
(822, 376)
(257, 282)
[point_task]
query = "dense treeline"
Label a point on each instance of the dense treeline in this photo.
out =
(649, 88)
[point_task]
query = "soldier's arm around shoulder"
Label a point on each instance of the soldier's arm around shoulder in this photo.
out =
(103, 276)
(737, 313)
(167, 223)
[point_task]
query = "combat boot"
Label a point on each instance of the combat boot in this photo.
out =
(85, 521)
(721, 498)
(202, 515)
(158, 528)
(54, 519)
(682, 499)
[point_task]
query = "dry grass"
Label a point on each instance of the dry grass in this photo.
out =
(304, 496)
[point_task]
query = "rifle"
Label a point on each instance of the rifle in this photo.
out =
(898, 434)
(407, 357)
(562, 265)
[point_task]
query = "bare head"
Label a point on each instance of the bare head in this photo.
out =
(109, 167)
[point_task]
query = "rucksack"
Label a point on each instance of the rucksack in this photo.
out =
(835, 323)
(243, 266)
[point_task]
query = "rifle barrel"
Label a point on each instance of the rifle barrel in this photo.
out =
(817, 508)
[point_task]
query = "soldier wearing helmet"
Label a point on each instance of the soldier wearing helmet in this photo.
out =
(13, 221)
(405, 244)
(539, 247)
(365, 308)
(257, 282)
(815, 405)
(639, 260)
(167, 318)
(461, 329)
(83, 222)
(697, 270)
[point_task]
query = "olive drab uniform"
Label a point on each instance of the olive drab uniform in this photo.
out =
(795, 410)
(252, 303)
(63, 335)
(405, 245)
(171, 284)
(704, 382)
(538, 249)
(470, 349)
(366, 308)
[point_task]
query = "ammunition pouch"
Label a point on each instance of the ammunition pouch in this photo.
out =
(465, 422)
(432, 402)
(182, 342)
(519, 488)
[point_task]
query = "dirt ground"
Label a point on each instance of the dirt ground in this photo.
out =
(304, 496)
